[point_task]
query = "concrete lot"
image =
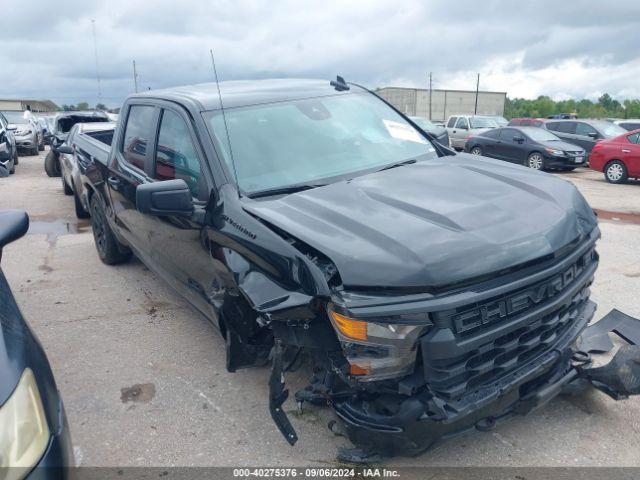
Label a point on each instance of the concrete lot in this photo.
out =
(143, 376)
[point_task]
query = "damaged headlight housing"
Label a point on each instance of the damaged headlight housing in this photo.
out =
(24, 433)
(379, 348)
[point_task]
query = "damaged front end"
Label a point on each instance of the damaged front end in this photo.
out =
(402, 376)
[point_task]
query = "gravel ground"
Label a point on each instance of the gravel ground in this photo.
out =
(143, 376)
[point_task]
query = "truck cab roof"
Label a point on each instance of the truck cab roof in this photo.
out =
(246, 92)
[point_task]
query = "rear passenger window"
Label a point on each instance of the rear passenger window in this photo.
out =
(562, 127)
(137, 134)
(176, 155)
(451, 122)
(584, 129)
(635, 138)
(493, 133)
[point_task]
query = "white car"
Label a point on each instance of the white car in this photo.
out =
(460, 127)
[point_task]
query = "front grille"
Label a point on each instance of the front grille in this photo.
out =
(526, 335)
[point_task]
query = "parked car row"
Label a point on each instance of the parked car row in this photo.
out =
(26, 130)
(313, 216)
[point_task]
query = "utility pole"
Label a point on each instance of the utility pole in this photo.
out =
(95, 52)
(430, 85)
(135, 76)
(475, 110)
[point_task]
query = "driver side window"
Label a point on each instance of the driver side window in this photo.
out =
(176, 155)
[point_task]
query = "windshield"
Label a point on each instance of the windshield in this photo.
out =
(540, 135)
(15, 117)
(611, 129)
(483, 122)
(313, 140)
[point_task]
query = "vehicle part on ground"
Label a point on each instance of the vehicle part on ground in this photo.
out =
(595, 338)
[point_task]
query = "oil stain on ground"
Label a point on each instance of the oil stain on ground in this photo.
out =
(140, 392)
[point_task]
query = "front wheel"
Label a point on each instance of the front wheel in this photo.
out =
(110, 251)
(52, 165)
(535, 161)
(476, 151)
(616, 172)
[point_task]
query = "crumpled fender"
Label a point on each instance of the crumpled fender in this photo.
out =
(270, 273)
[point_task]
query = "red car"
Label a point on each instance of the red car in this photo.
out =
(618, 158)
(526, 122)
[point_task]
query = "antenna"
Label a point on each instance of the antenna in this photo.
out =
(135, 76)
(224, 120)
(95, 52)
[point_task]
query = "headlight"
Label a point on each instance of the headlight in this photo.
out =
(553, 151)
(381, 348)
(24, 434)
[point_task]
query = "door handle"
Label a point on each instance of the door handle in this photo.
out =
(624, 150)
(114, 182)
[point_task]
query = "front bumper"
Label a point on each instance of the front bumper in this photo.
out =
(553, 161)
(416, 425)
(26, 141)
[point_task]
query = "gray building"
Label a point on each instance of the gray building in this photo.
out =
(20, 105)
(415, 101)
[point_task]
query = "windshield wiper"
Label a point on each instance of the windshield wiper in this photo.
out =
(397, 164)
(285, 190)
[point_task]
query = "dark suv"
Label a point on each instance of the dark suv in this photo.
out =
(584, 133)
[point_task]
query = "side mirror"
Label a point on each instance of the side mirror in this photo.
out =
(65, 149)
(169, 197)
(592, 135)
(13, 225)
(518, 139)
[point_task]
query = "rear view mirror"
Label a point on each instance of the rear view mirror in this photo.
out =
(65, 149)
(592, 135)
(170, 197)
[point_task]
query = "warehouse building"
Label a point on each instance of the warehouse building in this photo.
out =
(20, 105)
(415, 101)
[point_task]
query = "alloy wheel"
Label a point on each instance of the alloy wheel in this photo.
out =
(535, 161)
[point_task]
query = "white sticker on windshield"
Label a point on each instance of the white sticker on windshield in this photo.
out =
(402, 131)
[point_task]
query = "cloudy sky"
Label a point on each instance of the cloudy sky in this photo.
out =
(559, 48)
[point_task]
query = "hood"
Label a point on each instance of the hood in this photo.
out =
(435, 222)
(568, 147)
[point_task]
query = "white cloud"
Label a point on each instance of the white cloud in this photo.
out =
(561, 49)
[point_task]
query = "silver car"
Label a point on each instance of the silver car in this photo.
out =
(8, 149)
(461, 126)
(26, 131)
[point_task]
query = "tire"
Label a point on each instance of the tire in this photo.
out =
(80, 211)
(13, 169)
(52, 165)
(15, 157)
(34, 150)
(110, 251)
(476, 151)
(41, 145)
(616, 172)
(535, 161)
(65, 186)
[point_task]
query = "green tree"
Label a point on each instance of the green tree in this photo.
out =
(101, 106)
(83, 106)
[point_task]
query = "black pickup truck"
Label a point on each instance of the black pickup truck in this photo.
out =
(432, 292)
